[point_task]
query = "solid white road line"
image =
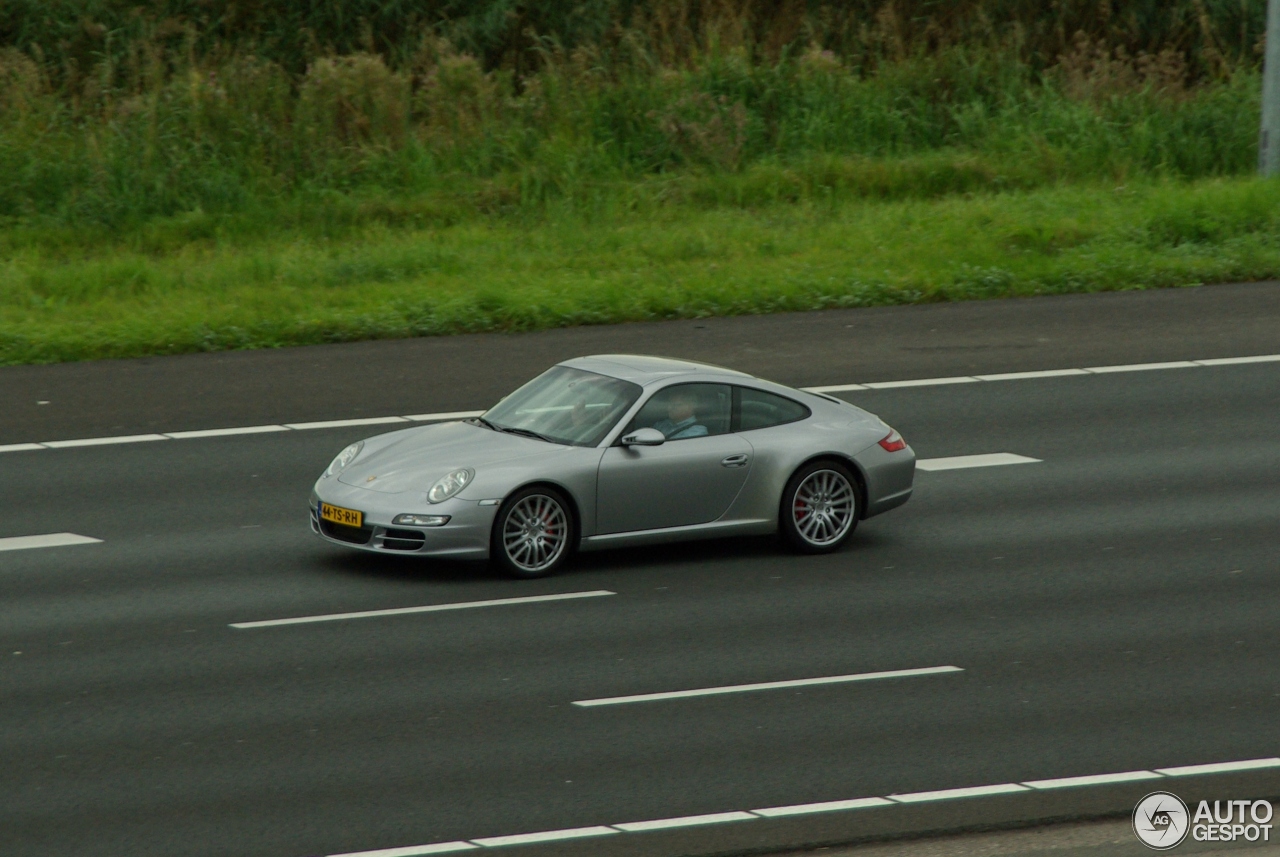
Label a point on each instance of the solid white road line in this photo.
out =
(103, 441)
(545, 836)
(768, 685)
(327, 424)
(456, 415)
(825, 806)
(1236, 361)
(236, 430)
(222, 432)
(1045, 373)
(21, 447)
(684, 821)
(836, 388)
(920, 382)
(1018, 376)
(952, 794)
(428, 608)
(50, 540)
(450, 415)
(1219, 767)
(1095, 780)
(961, 462)
(1142, 367)
(413, 850)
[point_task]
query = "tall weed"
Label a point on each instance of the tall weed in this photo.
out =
(168, 108)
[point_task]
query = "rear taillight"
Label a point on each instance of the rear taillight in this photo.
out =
(893, 442)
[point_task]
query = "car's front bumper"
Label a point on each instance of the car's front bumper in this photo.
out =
(465, 536)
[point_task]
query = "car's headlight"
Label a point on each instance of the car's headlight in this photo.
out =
(450, 485)
(344, 458)
(420, 520)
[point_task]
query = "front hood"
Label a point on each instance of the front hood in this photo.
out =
(420, 456)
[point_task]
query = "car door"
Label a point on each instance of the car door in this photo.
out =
(692, 478)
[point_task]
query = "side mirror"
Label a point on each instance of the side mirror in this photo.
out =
(644, 437)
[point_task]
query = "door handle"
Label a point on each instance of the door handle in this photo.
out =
(739, 460)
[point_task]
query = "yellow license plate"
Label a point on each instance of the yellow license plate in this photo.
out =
(339, 515)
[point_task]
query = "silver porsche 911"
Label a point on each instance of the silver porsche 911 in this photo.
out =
(617, 450)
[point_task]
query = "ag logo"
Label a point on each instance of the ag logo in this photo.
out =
(1160, 820)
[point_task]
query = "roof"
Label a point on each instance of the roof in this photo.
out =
(644, 369)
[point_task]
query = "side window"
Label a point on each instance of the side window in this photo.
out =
(687, 410)
(757, 409)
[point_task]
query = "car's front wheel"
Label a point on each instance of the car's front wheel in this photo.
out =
(533, 533)
(819, 508)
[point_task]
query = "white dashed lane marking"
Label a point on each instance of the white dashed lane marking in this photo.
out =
(49, 540)
(426, 608)
(962, 462)
(767, 685)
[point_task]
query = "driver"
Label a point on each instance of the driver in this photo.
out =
(681, 420)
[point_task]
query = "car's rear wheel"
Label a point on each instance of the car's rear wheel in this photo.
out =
(533, 533)
(819, 508)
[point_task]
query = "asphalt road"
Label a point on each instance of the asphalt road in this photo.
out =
(327, 382)
(1112, 608)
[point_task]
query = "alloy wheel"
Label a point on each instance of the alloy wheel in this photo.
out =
(535, 533)
(823, 507)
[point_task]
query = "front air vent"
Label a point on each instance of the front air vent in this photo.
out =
(403, 540)
(343, 533)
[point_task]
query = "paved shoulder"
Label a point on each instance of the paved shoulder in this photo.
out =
(369, 379)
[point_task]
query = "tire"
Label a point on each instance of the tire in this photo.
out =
(534, 532)
(820, 507)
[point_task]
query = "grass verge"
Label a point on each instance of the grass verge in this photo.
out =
(223, 287)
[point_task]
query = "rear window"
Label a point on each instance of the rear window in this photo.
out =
(756, 409)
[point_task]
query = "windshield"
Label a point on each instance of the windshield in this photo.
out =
(565, 405)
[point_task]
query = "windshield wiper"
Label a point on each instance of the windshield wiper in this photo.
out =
(523, 432)
(528, 433)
